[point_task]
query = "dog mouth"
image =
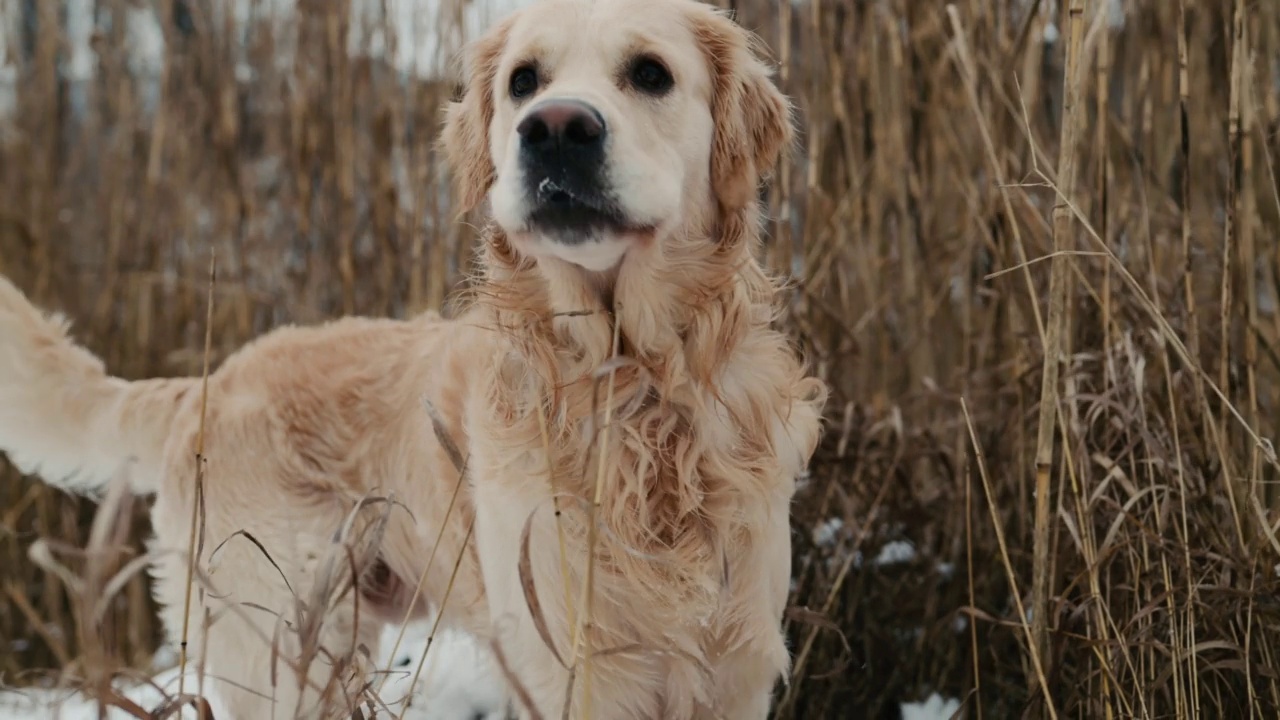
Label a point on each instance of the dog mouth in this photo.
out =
(570, 215)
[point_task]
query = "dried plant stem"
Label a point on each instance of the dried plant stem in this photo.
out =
(1249, 256)
(968, 557)
(582, 645)
(1073, 122)
(571, 614)
(1230, 240)
(1235, 237)
(783, 243)
(195, 542)
(1102, 188)
(435, 626)
(1015, 593)
(1186, 619)
(1184, 96)
(426, 570)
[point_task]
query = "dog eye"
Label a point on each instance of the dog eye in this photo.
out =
(651, 76)
(524, 81)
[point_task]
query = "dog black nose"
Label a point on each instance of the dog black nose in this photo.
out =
(569, 124)
(562, 154)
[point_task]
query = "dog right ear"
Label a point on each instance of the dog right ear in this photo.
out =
(753, 123)
(465, 137)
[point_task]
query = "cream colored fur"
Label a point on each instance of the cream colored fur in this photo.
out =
(299, 425)
(712, 416)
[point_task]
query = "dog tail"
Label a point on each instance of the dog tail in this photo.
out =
(63, 418)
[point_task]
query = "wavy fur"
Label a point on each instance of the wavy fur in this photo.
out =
(714, 417)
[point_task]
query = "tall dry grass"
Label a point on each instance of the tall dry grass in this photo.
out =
(1095, 527)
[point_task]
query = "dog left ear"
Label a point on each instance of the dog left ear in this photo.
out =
(752, 117)
(465, 138)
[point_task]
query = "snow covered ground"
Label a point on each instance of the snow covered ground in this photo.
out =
(833, 534)
(935, 707)
(458, 682)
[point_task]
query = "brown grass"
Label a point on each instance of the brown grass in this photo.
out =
(1123, 488)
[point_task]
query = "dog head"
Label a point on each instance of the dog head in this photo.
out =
(599, 128)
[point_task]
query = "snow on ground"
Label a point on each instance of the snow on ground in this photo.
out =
(934, 707)
(458, 682)
(896, 552)
(826, 534)
(830, 533)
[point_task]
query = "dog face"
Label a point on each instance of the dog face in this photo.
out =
(596, 128)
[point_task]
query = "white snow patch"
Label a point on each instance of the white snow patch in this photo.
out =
(548, 186)
(81, 62)
(1116, 16)
(895, 553)
(64, 704)
(10, 47)
(459, 678)
(934, 707)
(165, 657)
(825, 534)
(145, 37)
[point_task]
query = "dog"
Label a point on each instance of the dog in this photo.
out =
(590, 461)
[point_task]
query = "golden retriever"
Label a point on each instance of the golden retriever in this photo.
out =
(624, 423)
